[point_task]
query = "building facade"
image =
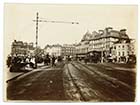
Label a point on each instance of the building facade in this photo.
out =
(101, 43)
(122, 50)
(68, 50)
(104, 39)
(104, 46)
(55, 50)
(22, 48)
(83, 47)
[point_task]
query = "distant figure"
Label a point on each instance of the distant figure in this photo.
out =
(59, 58)
(9, 61)
(32, 62)
(53, 61)
(47, 60)
(69, 58)
(86, 59)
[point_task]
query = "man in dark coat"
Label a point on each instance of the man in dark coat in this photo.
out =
(53, 61)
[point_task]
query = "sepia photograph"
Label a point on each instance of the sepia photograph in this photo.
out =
(70, 52)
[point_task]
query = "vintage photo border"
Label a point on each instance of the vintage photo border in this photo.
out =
(63, 1)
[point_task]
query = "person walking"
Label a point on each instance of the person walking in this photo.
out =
(86, 59)
(53, 60)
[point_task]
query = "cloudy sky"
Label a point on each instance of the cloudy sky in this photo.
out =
(18, 22)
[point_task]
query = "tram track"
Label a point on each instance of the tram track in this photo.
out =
(78, 89)
(114, 83)
(115, 72)
(108, 78)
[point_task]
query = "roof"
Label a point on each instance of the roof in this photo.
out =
(87, 36)
(112, 33)
(95, 35)
(50, 46)
(56, 45)
(122, 41)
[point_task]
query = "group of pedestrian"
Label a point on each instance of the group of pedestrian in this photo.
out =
(52, 60)
(16, 62)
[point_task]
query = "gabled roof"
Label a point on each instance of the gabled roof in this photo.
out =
(117, 34)
(112, 33)
(47, 46)
(87, 36)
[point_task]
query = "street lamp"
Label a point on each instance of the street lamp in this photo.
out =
(38, 20)
(36, 39)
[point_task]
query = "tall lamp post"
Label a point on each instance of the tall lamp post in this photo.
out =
(38, 20)
(36, 56)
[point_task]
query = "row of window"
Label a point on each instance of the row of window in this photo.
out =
(120, 46)
(103, 40)
(119, 53)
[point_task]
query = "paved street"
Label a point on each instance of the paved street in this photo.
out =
(75, 81)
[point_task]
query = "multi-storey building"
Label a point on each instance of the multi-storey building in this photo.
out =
(101, 42)
(83, 46)
(122, 50)
(104, 39)
(59, 50)
(55, 50)
(97, 45)
(22, 48)
(68, 50)
(132, 47)
(48, 49)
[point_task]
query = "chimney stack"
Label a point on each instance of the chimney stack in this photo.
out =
(123, 31)
(101, 32)
(108, 29)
